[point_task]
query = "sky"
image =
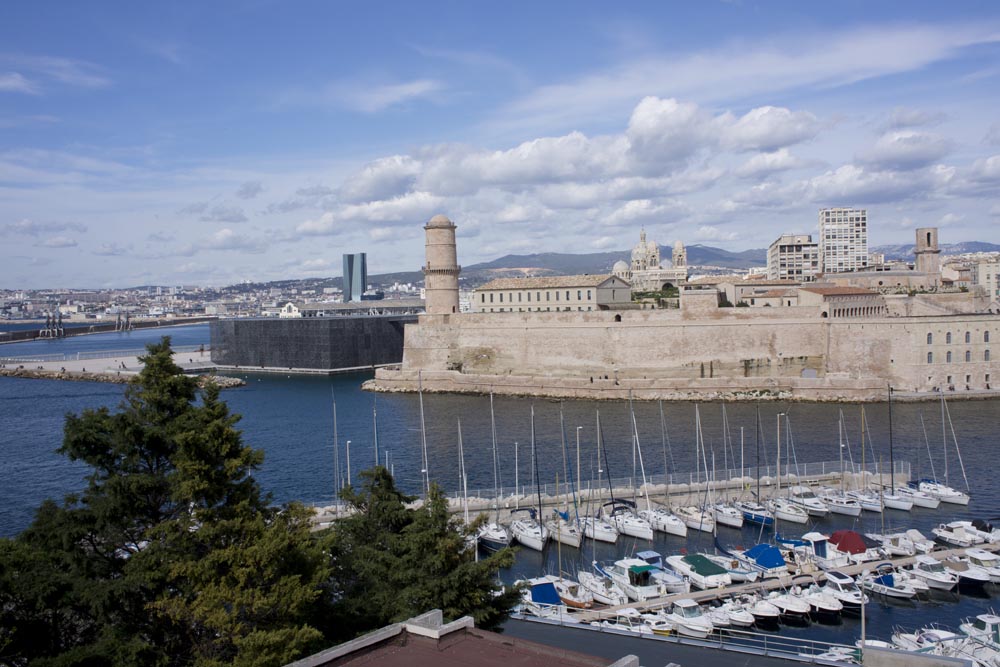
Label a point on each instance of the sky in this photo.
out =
(209, 143)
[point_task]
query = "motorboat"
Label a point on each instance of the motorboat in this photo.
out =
(933, 573)
(596, 528)
(658, 623)
(957, 534)
(916, 497)
(844, 588)
(968, 577)
(942, 492)
(493, 536)
(925, 640)
(755, 513)
(856, 547)
(738, 613)
(985, 529)
(739, 573)
(804, 497)
(984, 629)
(906, 577)
(765, 558)
(670, 580)
(823, 606)
(689, 620)
(562, 530)
(621, 514)
(785, 510)
(634, 576)
(628, 619)
(527, 530)
(883, 581)
(700, 571)
(894, 544)
(664, 521)
(570, 593)
(765, 614)
(603, 589)
(815, 547)
(726, 515)
(840, 503)
(695, 518)
(921, 543)
(987, 561)
(794, 610)
(540, 597)
(870, 502)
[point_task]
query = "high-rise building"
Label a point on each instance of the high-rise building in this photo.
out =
(843, 239)
(987, 274)
(355, 276)
(793, 257)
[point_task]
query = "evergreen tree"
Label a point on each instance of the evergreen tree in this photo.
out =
(393, 562)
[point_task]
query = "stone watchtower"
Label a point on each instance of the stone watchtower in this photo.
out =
(442, 269)
(927, 251)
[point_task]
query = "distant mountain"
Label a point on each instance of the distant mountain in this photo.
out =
(703, 255)
(905, 251)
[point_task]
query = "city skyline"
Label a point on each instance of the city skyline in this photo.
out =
(215, 144)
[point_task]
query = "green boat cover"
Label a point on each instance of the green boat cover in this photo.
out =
(703, 566)
(639, 569)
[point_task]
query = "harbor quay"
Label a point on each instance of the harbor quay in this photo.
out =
(668, 490)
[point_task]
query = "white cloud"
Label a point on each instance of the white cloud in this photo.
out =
(768, 129)
(249, 190)
(902, 117)
(764, 164)
(362, 96)
(907, 149)
(949, 219)
(227, 239)
(112, 250)
(382, 179)
(32, 228)
(14, 82)
(55, 70)
(644, 210)
(217, 213)
(605, 242)
(57, 242)
(710, 233)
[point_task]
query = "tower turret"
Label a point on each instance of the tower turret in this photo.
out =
(927, 251)
(442, 269)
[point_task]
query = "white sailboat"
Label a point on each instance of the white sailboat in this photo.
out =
(528, 530)
(561, 527)
(783, 508)
(494, 536)
(595, 527)
(939, 490)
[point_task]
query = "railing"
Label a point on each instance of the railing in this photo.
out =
(739, 641)
(696, 482)
(98, 354)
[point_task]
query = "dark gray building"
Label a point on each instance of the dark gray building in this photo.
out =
(355, 276)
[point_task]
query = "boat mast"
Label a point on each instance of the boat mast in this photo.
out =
(927, 445)
(944, 442)
(607, 468)
(463, 480)
(336, 448)
(958, 451)
(375, 424)
(423, 436)
(496, 482)
(642, 467)
(892, 460)
(534, 468)
(840, 448)
(756, 444)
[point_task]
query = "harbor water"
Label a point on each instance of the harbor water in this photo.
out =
(291, 419)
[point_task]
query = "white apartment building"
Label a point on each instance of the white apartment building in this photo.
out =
(551, 294)
(843, 239)
(793, 256)
(987, 274)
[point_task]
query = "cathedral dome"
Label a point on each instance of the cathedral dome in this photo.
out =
(620, 267)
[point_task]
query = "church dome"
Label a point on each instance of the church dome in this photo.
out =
(620, 267)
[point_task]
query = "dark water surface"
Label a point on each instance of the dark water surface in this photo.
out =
(290, 418)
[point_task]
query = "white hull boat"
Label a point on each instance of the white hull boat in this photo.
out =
(870, 502)
(807, 500)
(727, 515)
(918, 498)
(845, 589)
(689, 620)
(822, 605)
(934, 574)
(628, 619)
(668, 579)
(565, 532)
(943, 492)
(603, 589)
(700, 571)
(739, 615)
(598, 529)
(634, 576)
(883, 581)
(529, 533)
(987, 561)
(738, 573)
(895, 501)
(957, 534)
(784, 510)
(841, 504)
(696, 519)
(664, 521)
(629, 524)
(493, 536)
(572, 594)
(793, 609)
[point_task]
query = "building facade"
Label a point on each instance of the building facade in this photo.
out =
(646, 273)
(551, 294)
(793, 257)
(987, 276)
(355, 276)
(843, 239)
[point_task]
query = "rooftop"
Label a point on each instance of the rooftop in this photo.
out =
(543, 282)
(839, 291)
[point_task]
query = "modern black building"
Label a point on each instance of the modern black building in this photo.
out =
(355, 276)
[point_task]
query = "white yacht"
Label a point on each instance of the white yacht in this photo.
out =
(844, 588)
(883, 581)
(957, 534)
(667, 578)
(598, 529)
(943, 492)
(916, 497)
(527, 530)
(621, 514)
(726, 515)
(934, 574)
(754, 512)
(987, 561)
(604, 590)
(695, 518)
(628, 619)
(634, 576)
(561, 529)
(785, 510)
(700, 571)
(840, 503)
(804, 497)
(664, 521)
(822, 603)
(688, 619)
(794, 610)
(493, 536)
(870, 502)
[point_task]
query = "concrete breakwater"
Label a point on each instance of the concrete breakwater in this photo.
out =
(116, 377)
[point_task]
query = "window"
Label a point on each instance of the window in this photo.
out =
(501, 297)
(519, 297)
(567, 295)
(986, 355)
(930, 357)
(547, 296)
(930, 338)
(986, 336)
(968, 355)
(529, 297)
(947, 358)
(579, 295)
(968, 337)
(557, 295)
(947, 338)
(491, 298)
(482, 298)
(588, 295)
(538, 296)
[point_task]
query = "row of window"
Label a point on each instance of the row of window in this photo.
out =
(538, 296)
(947, 356)
(968, 337)
(538, 309)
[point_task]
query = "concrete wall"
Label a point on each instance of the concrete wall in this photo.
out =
(310, 343)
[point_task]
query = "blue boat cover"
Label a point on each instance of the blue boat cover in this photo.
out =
(651, 557)
(886, 580)
(564, 515)
(545, 594)
(766, 556)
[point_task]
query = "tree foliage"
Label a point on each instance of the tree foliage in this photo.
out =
(394, 562)
(172, 554)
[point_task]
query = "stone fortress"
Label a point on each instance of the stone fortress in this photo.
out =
(841, 337)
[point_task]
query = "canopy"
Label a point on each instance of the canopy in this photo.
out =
(545, 593)
(849, 541)
(703, 566)
(766, 555)
(639, 569)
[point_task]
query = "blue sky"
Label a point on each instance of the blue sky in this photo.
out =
(208, 143)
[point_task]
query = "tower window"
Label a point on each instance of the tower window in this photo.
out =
(947, 358)
(947, 338)
(930, 357)
(930, 338)
(968, 337)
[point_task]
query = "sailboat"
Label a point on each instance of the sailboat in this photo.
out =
(660, 518)
(783, 508)
(622, 513)
(933, 487)
(753, 511)
(840, 502)
(493, 536)
(561, 528)
(724, 513)
(696, 517)
(595, 527)
(525, 526)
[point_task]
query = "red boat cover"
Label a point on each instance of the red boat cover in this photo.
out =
(849, 541)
